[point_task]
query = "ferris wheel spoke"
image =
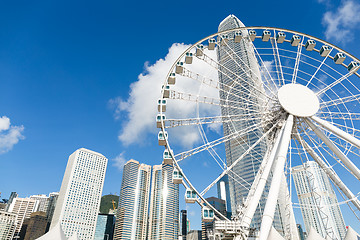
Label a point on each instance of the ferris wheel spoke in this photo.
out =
(271, 81)
(237, 134)
(334, 83)
(171, 123)
(238, 160)
(297, 61)
(319, 67)
(213, 83)
(347, 162)
(226, 71)
(277, 60)
(337, 131)
(338, 101)
(330, 172)
(207, 100)
(249, 69)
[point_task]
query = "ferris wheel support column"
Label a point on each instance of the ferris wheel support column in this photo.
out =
(278, 172)
(337, 131)
(258, 186)
(348, 163)
(329, 172)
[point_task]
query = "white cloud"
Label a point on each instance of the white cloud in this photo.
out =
(139, 111)
(341, 23)
(119, 161)
(9, 135)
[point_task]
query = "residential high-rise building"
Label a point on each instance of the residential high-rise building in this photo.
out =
(132, 213)
(164, 204)
(318, 202)
(7, 225)
(224, 193)
(183, 221)
(43, 202)
(36, 225)
(22, 207)
(80, 193)
(239, 72)
(51, 205)
(105, 227)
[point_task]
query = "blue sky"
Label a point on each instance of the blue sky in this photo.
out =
(67, 69)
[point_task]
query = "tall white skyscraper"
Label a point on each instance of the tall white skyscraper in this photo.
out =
(132, 213)
(80, 194)
(7, 225)
(240, 74)
(318, 202)
(164, 204)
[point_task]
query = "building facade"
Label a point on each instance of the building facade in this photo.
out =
(80, 193)
(224, 193)
(7, 225)
(36, 225)
(318, 202)
(105, 227)
(242, 94)
(22, 207)
(132, 213)
(43, 202)
(164, 204)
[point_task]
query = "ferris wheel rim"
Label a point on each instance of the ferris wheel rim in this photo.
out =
(218, 34)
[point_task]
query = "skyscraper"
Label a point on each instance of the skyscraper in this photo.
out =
(43, 202)
(7, 225)
(22, 207)
(224, 193)
(164, 204)
(132, 213)
(318, 202)
(105, 227)
(239, 74)
(80, 193)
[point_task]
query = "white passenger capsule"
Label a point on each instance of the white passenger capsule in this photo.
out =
(199, 50)
(339, 58)
(265, 36)
(179, 67)
(167, 157)
(166, 93)
(324, 50)
(280, 37)
(177, 176)
(207, 214)
(224, 38)
(171, 79)
(190, 196)
(159, 118)
(295, 40)
(238, 36)
(310, 44)
(188, 58)
(162, 136)
(212, 42)
(252, 35)
(162, 105)
(353, 66)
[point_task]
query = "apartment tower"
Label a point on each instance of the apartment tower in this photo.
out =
(318, 202)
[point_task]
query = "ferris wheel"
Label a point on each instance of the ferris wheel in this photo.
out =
(252, 103)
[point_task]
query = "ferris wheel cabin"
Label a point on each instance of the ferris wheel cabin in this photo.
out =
(159, 117)
(179, 67)
(353, 66)
(162, 136)
(171, 79)
(310, 44)
(162, 105)
(252, 35)
(324, 50)
(280, 37)
(339, 58)
(212, 42)
(166, 93)
(199, 50)
(207, 214)
(188, 58)
(167, 157)
(177, 177)
(190, 196)
(295, 40)
(238, 36)
(265, 36)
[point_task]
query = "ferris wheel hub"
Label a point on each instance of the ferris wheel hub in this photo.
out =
(298, 100)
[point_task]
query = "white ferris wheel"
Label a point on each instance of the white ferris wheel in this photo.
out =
(283, 99)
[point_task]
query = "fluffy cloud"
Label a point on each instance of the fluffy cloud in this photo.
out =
(139, 111)
(9, 135)
(341, 23)
(119, 161)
